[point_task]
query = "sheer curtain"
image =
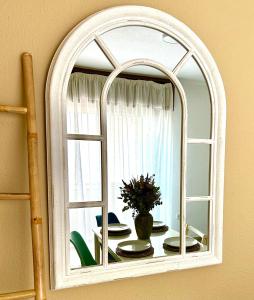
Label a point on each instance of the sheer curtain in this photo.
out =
(139, 129)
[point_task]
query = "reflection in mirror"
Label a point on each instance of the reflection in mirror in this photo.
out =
(198, 100)
(198, 170)
(84, 249)
(144, 116)
(83, 94)
(141, 128)
(83, 105)
(132, 42)
(176, 160)
(84, 170)
(92, 58)
(197, 222)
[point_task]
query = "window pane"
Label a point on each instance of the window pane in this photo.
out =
(83, 95)
(197, 220)
(176, 161)
(85, 249)
(198, 170)
(84, 170)
(92, 58)
(140, 142)
(133, 42)
(83, 105)
(198, 100)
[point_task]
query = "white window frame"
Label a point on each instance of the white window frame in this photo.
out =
(56, 89)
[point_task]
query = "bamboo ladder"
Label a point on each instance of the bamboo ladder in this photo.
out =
(35, 207)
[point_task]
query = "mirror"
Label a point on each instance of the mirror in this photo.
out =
(144, 125)
(135, 136)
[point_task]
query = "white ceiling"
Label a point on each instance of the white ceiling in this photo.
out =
(132, 42)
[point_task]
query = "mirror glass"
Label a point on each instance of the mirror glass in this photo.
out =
(92, 58)
(84, 170)
(198, 100)
(84, 249)
(83, 109)
(197, 220)
(132, 42)
(144, 118)
(198, 170)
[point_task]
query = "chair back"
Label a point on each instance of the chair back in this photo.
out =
(86, 258)
(203, 238)
(112, 219)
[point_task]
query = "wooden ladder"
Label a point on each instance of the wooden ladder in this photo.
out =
(35, 207)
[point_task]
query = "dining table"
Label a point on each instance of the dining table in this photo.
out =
(157, 239)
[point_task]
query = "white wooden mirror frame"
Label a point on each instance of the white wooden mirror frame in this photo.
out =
(58, 77)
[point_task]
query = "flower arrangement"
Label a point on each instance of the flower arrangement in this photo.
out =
(140, 194)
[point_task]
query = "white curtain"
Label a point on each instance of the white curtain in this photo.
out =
(139, 121)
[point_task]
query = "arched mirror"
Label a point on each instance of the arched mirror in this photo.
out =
(136, 133)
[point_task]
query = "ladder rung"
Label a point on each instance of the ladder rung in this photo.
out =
(13, 109)
(15, 196)
(18, 295)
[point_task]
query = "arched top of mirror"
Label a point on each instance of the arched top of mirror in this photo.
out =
(111, 22)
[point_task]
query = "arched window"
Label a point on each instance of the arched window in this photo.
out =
(133, 93)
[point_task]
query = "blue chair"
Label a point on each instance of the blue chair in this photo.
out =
(112, 219)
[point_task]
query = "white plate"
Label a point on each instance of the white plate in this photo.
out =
(134, 246)
(158, 224)
(175, 241)
(117, 227)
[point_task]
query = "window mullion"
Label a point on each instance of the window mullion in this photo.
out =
(104, 174)
(199, 141)
(107, 52)
(198, 198)
(84, 137)
(180, 64)
(184, 122)
(85, 204)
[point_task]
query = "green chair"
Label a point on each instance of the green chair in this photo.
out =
(86, 258)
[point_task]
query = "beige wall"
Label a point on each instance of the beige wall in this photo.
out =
(226, 27)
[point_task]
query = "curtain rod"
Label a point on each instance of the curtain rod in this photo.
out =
(122, 75)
